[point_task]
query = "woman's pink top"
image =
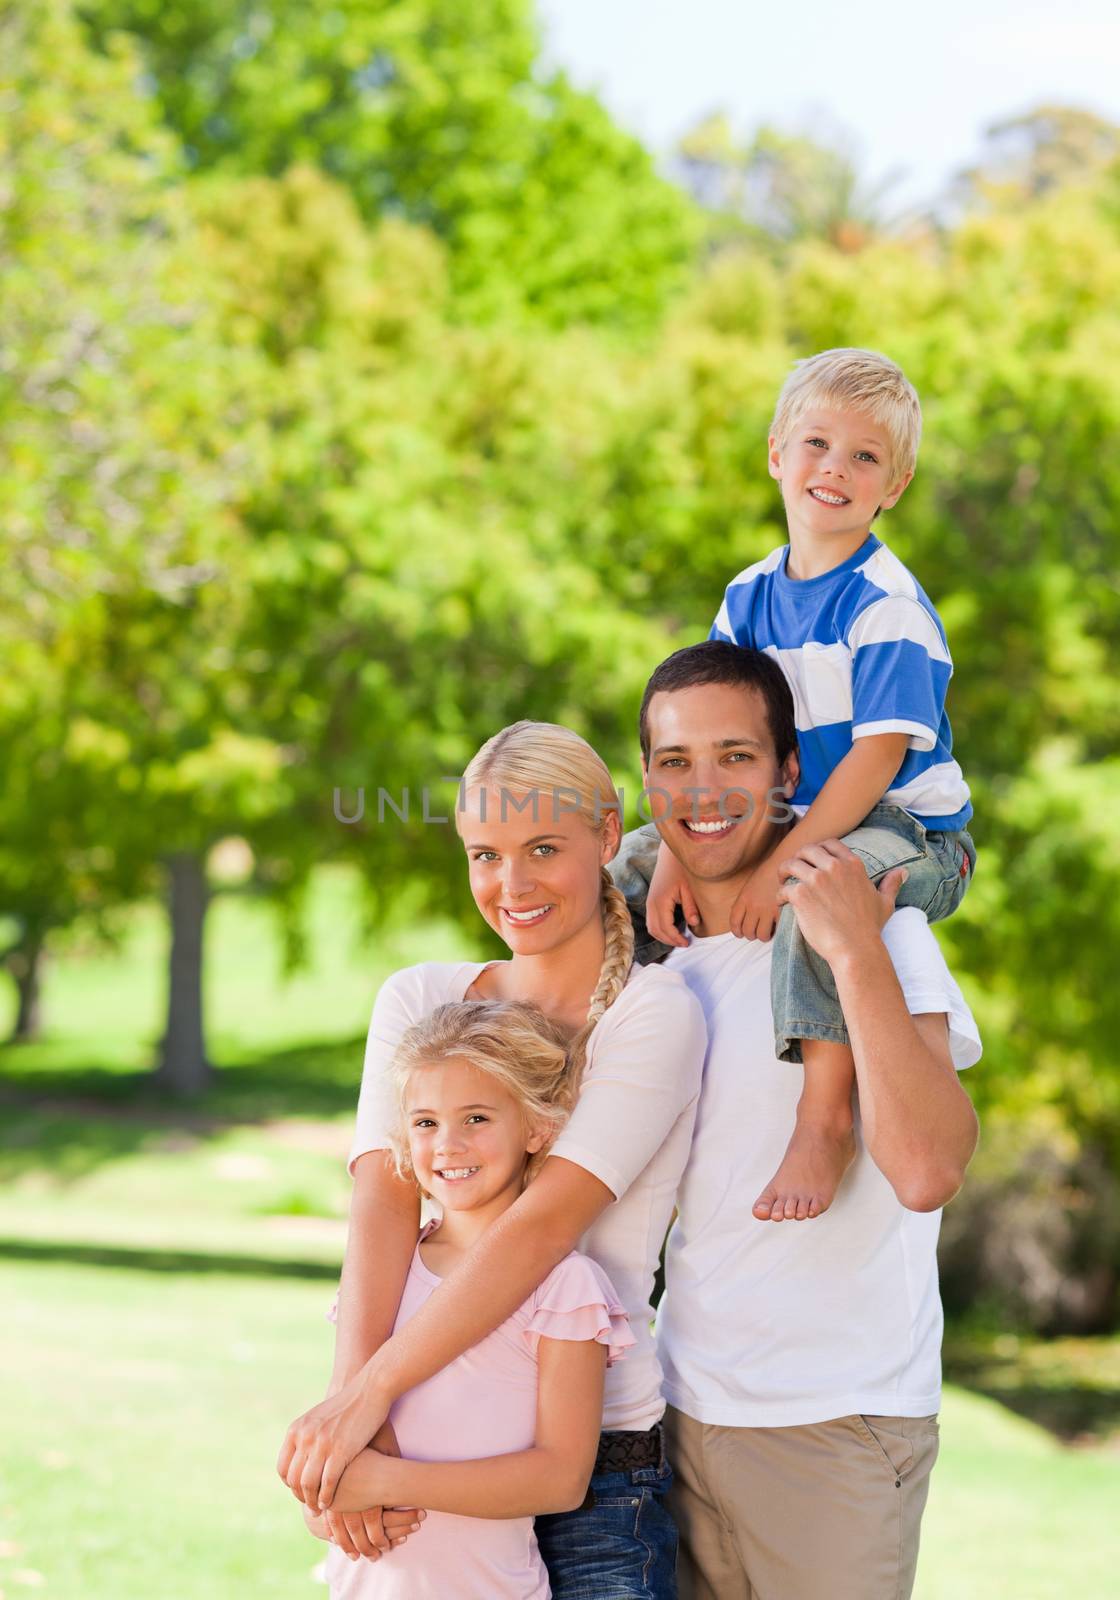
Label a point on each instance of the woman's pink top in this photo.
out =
(482, 1404)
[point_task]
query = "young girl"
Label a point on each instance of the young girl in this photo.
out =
(511, 1427)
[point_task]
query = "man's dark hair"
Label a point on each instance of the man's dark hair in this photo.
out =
(716, 661)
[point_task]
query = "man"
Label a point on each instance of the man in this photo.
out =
(802, 1364)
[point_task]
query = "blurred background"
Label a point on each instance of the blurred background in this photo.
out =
(374, 373)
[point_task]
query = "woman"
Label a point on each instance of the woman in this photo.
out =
(539, 819)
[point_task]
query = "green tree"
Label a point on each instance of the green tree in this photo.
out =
(435, 113)
(119, 421)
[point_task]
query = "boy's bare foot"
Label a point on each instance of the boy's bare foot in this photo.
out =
(816, 1158)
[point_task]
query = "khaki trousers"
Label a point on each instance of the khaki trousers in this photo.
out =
(830, 1511)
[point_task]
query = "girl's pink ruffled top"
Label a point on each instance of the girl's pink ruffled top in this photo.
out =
(482, 1404)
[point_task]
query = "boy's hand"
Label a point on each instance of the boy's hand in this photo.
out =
(669, 889)
(756, 910)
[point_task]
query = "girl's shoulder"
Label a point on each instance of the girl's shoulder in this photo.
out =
(577, 1301)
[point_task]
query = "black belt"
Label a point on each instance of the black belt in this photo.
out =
(626, 1452)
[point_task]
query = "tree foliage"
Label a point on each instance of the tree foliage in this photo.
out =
(432, 112)
(309, 488)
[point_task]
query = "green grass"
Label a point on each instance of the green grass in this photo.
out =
(1015, 1515)
(164, 1271)
(143, 1411)
(142, 1417)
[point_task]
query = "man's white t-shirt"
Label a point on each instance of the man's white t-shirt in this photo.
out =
(776, 1324)
(630, 1128)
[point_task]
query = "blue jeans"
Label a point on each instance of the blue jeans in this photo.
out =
(939, 869)
(624, 1547)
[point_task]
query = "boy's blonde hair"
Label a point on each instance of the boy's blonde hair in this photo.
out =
(855, 380)
(510, 1041)
(551, 761)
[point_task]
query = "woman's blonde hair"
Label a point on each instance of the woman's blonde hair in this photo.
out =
(546, 760)
(854, 380)
(511, 1042)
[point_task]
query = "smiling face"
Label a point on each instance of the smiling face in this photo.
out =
(467, 1137)
(712, 755)
(835, 471)
(534, 873)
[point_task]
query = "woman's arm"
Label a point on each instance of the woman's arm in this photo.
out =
(384, 1220)
(384, 1223)
(551, 1476)
(515, 1255)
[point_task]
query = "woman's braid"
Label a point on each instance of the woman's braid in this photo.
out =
(618, 958)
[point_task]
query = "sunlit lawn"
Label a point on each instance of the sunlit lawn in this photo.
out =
(164, 1273)
(143, 1410)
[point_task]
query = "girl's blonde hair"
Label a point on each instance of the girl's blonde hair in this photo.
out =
(560, 769)
(511, 1042)
(854, 380)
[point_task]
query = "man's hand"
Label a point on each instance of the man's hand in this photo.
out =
(668, 889)
(320, 1445)
(835, 902)
(757, 905)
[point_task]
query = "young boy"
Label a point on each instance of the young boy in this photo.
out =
(866, 657)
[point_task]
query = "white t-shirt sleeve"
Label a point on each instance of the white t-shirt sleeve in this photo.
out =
(927, 983)
(644, 1068)
(400, 1002)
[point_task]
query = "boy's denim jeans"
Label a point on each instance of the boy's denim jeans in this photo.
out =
(624, 1547)
(939, 869)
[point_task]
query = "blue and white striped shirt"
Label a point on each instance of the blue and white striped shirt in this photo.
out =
(864, 653)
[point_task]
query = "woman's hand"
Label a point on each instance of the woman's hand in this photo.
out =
(320, 1445)
(373, 1531)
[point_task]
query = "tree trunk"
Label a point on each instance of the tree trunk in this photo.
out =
(25, 963)
(184, 1068)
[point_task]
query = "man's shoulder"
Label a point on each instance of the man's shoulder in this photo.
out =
(739, 962)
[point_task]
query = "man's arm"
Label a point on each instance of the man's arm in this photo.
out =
(918, 1123)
